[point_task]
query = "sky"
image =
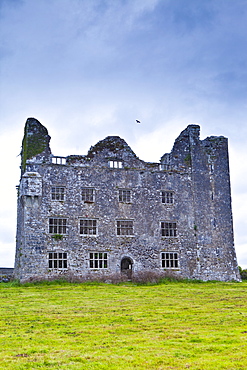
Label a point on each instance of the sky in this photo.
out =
(87, 69)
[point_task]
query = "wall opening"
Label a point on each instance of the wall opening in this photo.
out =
(127, 267)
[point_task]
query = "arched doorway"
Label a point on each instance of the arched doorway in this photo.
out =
(126, 266)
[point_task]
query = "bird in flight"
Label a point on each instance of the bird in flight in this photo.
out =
(137, 121)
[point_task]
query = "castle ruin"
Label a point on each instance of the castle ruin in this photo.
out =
(108, 212)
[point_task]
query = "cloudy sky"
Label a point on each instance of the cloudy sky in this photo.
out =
(87, 69)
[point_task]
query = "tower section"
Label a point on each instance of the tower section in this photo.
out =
(30, 230)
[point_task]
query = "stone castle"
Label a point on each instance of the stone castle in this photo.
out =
(108, 212)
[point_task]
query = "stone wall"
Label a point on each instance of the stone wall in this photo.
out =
(196, 177)
(6, 274)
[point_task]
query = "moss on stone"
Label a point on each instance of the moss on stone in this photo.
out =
(187, 160)
(57, 236)
(35, 140)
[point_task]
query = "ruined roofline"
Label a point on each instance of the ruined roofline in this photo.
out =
(114, 144)
(36, 149)
(193, 131)
(215, 139)
(36, 141)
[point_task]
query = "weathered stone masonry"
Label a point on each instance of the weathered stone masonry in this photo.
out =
(110, 212)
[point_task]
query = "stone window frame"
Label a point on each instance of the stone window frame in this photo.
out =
(168, 229)
(88, 226)
(58, 160)
(88, 194)
(169, 259)
(58, 225)
(165, 167)
(58, 260)
(167, 197)
(58, 192)
(98, 260)
(115, 164)
(124, 195)
(125, 227)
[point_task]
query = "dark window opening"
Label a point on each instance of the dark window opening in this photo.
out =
(168, 229)
(57, 260)
(124, 195)
(167, 197)
(57, 193)
(125, 227)
(57, 225)
(98, 260)
(88, 227)
(169, 260)
(88, 195)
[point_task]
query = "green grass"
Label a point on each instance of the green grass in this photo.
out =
(176, 325)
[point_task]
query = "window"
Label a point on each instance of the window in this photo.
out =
(88, 227)
(98, 260)
(57, 193)
(57, 260)
(167, 197)
(124, 195)
(58, 225)
(115, 164)
(125, 227)
(168, 228)
(59, 160)
(165, 167)
(88, 195)
(169, 260)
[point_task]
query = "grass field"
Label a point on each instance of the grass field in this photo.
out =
(175, 325)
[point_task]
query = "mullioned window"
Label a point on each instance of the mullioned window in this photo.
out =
(57, 193)
(58, 225)
(169, 260)
(88, 227)
(168, 229)
(124, 196)
(57, 260)
(167, 197)
(115, 164)
(88, 195)
(125, 227)
(98, 260)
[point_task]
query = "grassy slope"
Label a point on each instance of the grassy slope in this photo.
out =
(170, 326)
